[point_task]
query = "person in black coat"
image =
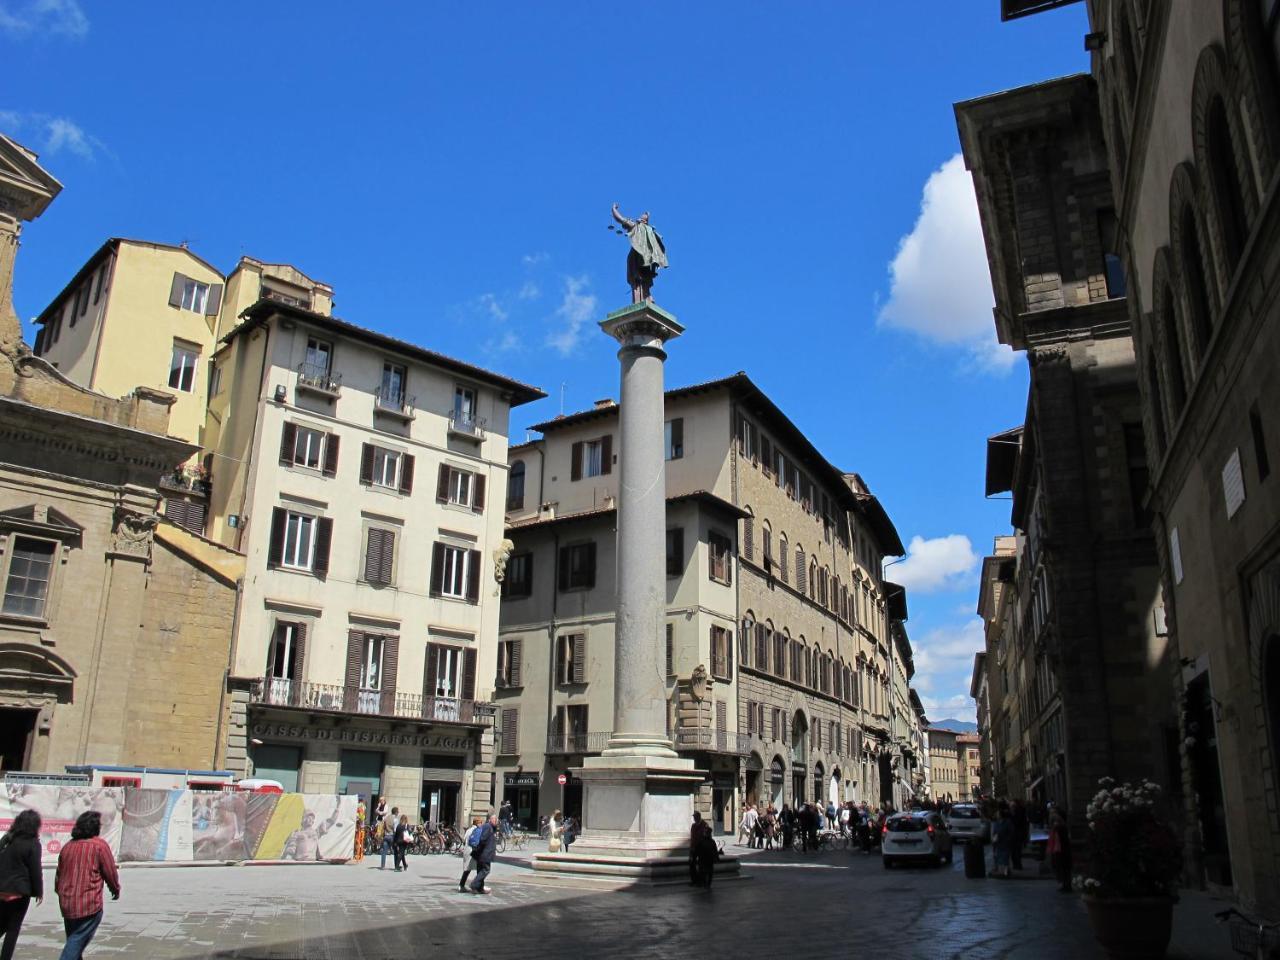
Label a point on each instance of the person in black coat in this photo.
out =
(20, 877)
(484, 851)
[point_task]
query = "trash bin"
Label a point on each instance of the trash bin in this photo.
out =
(975, 860)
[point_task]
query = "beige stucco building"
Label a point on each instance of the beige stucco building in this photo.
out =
(362, 477)
(944, 765)
(778, 648)
(115, 626)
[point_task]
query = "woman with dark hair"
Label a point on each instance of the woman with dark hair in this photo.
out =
(84, 865)
(20, 877)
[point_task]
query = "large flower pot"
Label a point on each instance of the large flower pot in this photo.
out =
(1131, 928)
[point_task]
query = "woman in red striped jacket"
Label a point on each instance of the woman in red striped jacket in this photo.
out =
(84, 865)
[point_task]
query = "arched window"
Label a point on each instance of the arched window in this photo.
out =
(515, 486)
(744, 639)
(813, 579)
(1173, 354)
(782, 652)
(766, 536)
(797, 654)
(1195, 280)
(782, 557)
(749, 536)
(762, 647)
(1228, 192)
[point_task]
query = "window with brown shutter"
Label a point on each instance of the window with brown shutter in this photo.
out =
(673, 441)
(722, 716)
(437, 569)
(577, 566)
(719, 653)
(288, 442)
(800, 569)
(324, 539)
(379, 555)
(366, 463)
(606, 454)
(469, 674)
(473, 577)
(571, 659)
(355, 659)
(390, 666)
(275, 546)
(406, 473)
(510, 653)
(575, 462)
(719, 549)
(330, 468)
(748, 538)
(766, 456)
(442, 484)
(761, 659)
(510, 731)
(751, 716)
(477, 494)
(744, 641)
(675, 551)
(580, 658)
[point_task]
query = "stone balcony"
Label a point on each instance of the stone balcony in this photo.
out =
(355, 701)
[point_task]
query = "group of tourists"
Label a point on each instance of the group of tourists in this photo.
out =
(85, 866)
(766, 827)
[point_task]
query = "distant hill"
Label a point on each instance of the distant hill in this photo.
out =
(959, 726)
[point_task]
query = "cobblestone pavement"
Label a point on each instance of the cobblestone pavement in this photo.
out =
(829, 905)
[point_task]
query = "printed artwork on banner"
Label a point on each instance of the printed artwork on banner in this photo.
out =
(310, 827)
(59, 806)
(218, 826)
(157, 825)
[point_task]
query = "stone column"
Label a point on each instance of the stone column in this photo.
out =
(639, 684)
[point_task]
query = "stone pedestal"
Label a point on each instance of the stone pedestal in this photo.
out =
(638, 795)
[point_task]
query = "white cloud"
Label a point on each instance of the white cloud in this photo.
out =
(941, 563)
(943, 660)
(530, 291)
(956, 707)
(576, 308)
(50, 135)
(489, 303)
(533, 259)
(44, 18)
(940, 288)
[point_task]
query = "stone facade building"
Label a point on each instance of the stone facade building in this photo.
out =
(944, 766)
(115, 626)
(1190, 93)
(1093, 655)
(778, 638)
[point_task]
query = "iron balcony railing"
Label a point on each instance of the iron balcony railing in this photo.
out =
(578, 742)
(466, 424)
(314, 376)
(339, 698)
(388, 400)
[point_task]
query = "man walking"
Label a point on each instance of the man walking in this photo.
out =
(84, 865)
(748, 826)
(485, 847)
(389, 823)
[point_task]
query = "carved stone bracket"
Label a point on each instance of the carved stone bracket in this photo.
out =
(131, 537)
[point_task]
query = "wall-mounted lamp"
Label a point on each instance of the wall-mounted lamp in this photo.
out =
(1096, 40)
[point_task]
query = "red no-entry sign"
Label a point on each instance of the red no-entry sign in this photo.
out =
(562, 779)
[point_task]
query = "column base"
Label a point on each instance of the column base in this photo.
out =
(637, 811)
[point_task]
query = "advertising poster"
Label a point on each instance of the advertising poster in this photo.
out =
(218, 826)
(157, 825)
(58, 807)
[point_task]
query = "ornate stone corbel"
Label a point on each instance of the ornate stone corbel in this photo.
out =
(132, 534)
(500, 557)
(698, 682)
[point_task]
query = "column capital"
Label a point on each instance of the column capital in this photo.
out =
(641, 324)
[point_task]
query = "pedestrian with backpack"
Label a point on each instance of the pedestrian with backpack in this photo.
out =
(400, 841)
(484, 844)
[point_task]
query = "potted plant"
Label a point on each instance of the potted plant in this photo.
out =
(1134, 864)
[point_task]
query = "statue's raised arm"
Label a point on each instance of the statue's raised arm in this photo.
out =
(648, 254)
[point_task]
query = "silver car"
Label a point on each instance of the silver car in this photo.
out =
(920, 835)
(966, 823)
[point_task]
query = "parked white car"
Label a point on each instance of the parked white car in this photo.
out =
(920, 835)
(966, 822)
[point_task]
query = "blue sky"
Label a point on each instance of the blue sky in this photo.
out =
(448, 168)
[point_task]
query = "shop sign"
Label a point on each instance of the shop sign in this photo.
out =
(521, 779)
(723, 781)
(378, 738)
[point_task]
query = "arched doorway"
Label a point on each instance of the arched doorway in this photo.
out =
(819, 783)
(886, 777)
(833, 788)
(755, 777)
(799, 758)
(777, 780)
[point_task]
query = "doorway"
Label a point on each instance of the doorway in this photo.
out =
(17, 735)
(1207, 778)
(360, 774)
(273, 761)
(439, 804)
(777, 778)
(524, 805)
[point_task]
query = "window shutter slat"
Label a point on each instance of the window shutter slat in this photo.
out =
(330, 455)
(388, 555)
(606, 454)
(299, 650)
(324, 538)
(477, 499)
(215, 300)
(406, 473)
(510, 731)
(175, 290)
(575, 462)
(288, 442)
(728, 653)
(442, 484)
(275, 548)
(468, 674)
(437, 569)
(373, 556)
(366, 463)
(355, 657)
(432, 676)
(748, 537)
(580, 658)
(390, 666)
(473, 576)
(517, 654)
